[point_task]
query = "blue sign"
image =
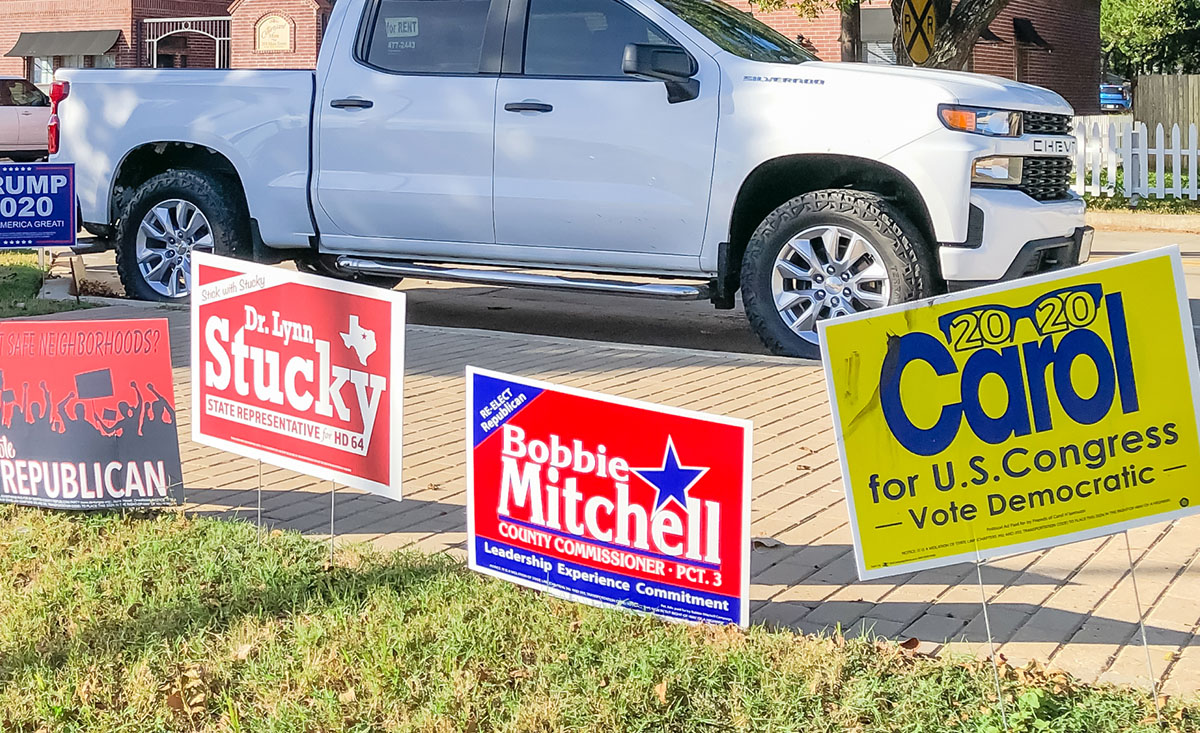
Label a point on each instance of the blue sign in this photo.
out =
(37, 205)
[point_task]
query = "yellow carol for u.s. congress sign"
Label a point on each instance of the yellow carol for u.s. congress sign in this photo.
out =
(1017, 417)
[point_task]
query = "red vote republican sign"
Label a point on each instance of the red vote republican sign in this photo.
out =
(608, 501)
(299, 371)
(87, 415)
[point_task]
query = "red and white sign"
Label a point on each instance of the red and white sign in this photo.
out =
(300, 371)
(608, 501)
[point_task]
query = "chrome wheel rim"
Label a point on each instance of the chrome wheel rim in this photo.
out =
(827, 272)
(168, 234)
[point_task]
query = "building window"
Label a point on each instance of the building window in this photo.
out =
(42, 71)
(106, 61)
(879, 52)
(877, 28)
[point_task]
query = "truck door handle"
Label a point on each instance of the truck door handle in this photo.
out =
(528, 106)
(352, 103)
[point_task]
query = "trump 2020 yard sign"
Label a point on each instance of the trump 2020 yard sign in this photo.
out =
(608, 501)
(1018, 416)
(299, 371)
(37, 204)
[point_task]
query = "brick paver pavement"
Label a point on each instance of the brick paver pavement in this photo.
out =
(1072, 606)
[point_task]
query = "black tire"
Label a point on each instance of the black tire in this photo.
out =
(216, 197)
(908, 259)
(325, 266)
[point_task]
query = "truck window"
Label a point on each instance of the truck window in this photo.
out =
(20, 93)
(583, 37)
(739, 33)
(428, 36)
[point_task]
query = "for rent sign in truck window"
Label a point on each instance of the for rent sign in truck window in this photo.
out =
(608, 501)
(1017, 417)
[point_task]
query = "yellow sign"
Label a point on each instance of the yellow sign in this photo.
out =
(1017, 417)
(273, 33)
(918, 24)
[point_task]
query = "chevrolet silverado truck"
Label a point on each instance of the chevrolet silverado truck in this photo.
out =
(680, 149)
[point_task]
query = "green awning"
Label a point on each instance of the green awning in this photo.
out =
(64, 43)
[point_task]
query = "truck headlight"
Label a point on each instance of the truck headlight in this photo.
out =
(990, 122)
(997, 171)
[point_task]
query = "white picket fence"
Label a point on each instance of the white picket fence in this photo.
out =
(1103, 148)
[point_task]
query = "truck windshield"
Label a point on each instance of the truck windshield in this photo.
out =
(737, 32)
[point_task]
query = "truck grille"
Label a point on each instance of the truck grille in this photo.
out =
(1046, 179)
(1039, 123)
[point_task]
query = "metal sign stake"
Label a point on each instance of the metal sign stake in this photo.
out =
(1142, 625)
(260, 524)
(332, 500)
(987, 625)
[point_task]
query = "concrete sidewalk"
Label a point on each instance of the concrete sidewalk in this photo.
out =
(1115, 243)
(1073, 606)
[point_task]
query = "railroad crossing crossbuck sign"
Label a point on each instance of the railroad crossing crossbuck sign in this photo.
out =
(919, 23)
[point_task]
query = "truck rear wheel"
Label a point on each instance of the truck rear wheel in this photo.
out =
(170, 216)
(828, 254)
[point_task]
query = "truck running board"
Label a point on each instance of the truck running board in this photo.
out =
(389, 268)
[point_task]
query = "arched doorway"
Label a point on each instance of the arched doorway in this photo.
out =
(163, 38)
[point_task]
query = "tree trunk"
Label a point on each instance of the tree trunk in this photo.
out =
(851, 38)
(957, 31)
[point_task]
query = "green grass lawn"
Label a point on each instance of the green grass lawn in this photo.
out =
(1145, 205)
(148, 623)
(20, 280)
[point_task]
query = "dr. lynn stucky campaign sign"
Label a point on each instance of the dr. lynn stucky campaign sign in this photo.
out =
(300, 371)
(1017, 417)
(608, 501)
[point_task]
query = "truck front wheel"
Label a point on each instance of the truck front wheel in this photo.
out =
(170, 216)
(828, 254)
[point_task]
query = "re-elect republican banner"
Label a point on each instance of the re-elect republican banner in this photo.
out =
(37, 205)
(608, 501)
(1018, 416)
(87, 415)
(299, 371)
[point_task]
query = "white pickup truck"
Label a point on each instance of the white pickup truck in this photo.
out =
(679, 147)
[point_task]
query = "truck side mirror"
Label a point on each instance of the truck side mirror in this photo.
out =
(670, 64)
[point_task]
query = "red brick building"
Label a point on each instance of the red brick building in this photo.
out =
(277, 34)
(60, 33)
(1050, 43)
(40, 36)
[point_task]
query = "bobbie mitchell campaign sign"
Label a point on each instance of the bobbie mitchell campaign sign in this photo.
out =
(300, 371)
(608, 501)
